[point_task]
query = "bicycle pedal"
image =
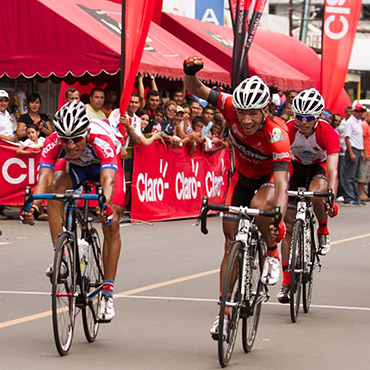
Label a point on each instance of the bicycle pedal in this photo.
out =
(214, 336)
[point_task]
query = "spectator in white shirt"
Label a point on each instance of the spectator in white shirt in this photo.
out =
(6, 124)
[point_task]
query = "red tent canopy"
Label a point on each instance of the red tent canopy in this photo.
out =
(78, 37)
(299, 56)
(217, 41)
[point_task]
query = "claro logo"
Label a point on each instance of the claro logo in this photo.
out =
(29, 170)
(214, 183)
(336, 24)
(152, 189)
(187, 187)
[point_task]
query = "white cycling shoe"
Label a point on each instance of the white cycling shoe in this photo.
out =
(63, 270)
(106, 309)
(271, 270)
(324, 244)
(215, 327)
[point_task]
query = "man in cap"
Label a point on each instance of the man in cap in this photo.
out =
(354, 146)
(6, 124)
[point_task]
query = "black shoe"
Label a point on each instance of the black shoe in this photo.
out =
(283, 295)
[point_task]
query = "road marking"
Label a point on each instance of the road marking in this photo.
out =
(350, 239)
(5, 243)
(171, 282)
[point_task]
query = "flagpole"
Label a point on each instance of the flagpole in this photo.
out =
(123, 22)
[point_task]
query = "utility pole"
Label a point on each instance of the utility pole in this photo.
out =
(304, 22)
(290, 14)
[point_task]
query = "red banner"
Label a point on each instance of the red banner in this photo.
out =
(169, 183)
(138, 15)
(17, 172)
(339, 31)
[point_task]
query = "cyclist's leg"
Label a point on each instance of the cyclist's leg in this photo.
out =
(264, 199)
(112, 248)
(61, 182)
(319, 184)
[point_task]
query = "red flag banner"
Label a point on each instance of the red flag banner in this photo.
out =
(17, 172)
(339, 31)
(169, 183)
(138, 15)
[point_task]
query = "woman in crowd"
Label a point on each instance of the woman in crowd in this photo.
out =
(33, 115)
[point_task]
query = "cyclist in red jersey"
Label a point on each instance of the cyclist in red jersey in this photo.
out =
(262, 157)
(82, 149)
(315, 153)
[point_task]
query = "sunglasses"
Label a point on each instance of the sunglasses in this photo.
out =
(67, 140)
(172, 110)
(300, 117)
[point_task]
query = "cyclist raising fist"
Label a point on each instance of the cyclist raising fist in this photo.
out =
(262, 157)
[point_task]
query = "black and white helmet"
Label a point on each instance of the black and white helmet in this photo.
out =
(308, 102)
(71, 120)
(252, 93)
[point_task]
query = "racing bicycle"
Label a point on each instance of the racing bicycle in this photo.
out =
(243, 292)
(304, 258)
(77, 277)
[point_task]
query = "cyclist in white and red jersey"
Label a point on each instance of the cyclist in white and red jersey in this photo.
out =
(315, 152)
(262, 157)
(83, 149)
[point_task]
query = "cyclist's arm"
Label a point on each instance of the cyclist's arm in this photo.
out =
(332, 171)
(43, 184)
(107, 177)
(193, 83)
(281, 190)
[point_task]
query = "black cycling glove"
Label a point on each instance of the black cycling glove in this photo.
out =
(191, 70)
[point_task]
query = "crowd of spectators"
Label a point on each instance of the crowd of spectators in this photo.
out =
(178, 119)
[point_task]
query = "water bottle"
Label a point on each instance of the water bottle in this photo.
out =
(83, 250)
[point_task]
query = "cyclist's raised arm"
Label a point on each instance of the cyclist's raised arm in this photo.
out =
(332, 171)
(192, 83)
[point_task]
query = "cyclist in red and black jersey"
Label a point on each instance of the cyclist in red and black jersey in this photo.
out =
(262, 157)
(83, 149)
(315, 153)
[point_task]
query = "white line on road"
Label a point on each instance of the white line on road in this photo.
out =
(350, 308)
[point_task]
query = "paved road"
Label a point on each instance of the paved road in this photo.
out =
(167, 288)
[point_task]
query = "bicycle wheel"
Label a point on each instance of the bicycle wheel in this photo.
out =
(307, 284)
(62, 297)
(230, 304)
(296, 268)
(250, 323)
(92, 281)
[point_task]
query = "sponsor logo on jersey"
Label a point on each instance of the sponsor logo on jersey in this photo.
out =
(106, 148)
(236, 130)
(275, 135)
(50, 146)
(276, 156)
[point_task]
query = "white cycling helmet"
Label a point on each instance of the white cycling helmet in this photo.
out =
(252, 93)
(308, 102)
(71, 120)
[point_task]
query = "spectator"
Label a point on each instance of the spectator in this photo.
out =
(96, 103)
(288, 109)
(338, 124)
(6, 124)
(21, 97)
(157, 122)
(291, 95)
(177, 95)
(354, 146)
(186, 124)
(151, 106)
(34, 142)
(213, 142)
(110, 100)
(208, 115)
(196, 109)
(144, 116)
(141, 89)
(364, 174)
(34, 116)
(168, 124)
(196, 136)
(72, 94)
(284, 116)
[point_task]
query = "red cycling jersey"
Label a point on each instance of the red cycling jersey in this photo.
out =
(99, 149)
(258, 155)
(316, 147)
